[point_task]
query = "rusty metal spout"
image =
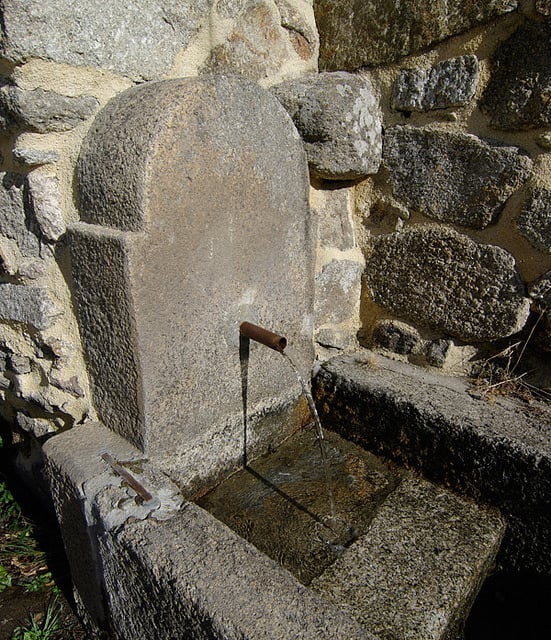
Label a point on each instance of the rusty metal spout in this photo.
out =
(265, 337)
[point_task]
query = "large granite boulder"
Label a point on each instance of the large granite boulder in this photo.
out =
(136, 38)
(452, 177)
(518, 95)
(355, 33)
(439, 278)
(338, 117)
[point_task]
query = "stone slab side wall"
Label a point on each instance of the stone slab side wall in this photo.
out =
(429, 142)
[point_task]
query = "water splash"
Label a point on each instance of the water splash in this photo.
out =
(320, 435)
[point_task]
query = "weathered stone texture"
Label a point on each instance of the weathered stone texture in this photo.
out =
(45, 203)
(137, 38)
(419, 566)
(452, 177)
(355, 34)
(540, 293)
(444, 280)
(212, 173)
(337, 291)
(338, 117)
(335, 226)
(498, 453)
(534, 221)
(266, 35)
(518, 95)
(451, 83)
(396, 336)
(44, 111)
(26, 305)
(34, 157)
(15, 222)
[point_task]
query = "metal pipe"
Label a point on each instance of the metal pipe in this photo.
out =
(265, 337)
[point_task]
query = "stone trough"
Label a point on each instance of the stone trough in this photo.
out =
(194, 218)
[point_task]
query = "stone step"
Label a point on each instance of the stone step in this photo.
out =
(416, 572)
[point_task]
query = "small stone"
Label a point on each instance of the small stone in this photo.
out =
(14, 221)
(396, 336)
(338, 117)
(34, 157)
(543, 7)
(544, 141)
(71, 386)
(436, 352)
(27, 305)
(335, 225)
(451, 83)
(19, 364)
(434, 276)
(266, 37)
(45, 202)
(452, 177)
(38, 427)
(540, 292)
(534, 221)
(32, 269)
(518, 95)
(10, 256)
(45, 111)
(337, 291)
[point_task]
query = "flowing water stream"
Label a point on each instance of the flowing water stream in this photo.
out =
(320, 435)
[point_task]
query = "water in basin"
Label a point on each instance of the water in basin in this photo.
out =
(280, 503)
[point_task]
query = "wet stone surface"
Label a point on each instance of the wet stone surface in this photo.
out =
(280, 503)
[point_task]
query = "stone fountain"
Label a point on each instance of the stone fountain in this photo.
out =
(193, 197)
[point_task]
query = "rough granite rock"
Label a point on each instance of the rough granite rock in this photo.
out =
(396, 336)
(338, 291)
(518, 95)
(442, 279)
(44, 111)
(540, 293)
(451, 83)
(135, 38)
(355, 33)
(338, 117)
(34, 157)
(452, 177)
(14, 219)
(534, 221)
(44, 199)
(27, 305)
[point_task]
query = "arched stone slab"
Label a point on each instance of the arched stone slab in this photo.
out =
(194, 201)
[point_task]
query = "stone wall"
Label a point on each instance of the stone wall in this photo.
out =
(429, 143)
(455, 222)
